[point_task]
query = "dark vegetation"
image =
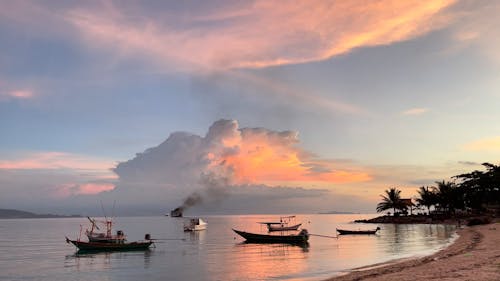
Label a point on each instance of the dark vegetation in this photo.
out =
(474, 196)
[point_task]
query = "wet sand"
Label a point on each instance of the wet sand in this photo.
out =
(475, 255)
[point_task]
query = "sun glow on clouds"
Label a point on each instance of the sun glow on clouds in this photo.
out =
(89, 175)
(257, 34)
(55, 160)
(261, 156)
(487, 144)
(17, 94)
(70, 189)
(415, 111)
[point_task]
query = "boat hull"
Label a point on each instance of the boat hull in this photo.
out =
(265, 238)
(99, 246)
(360, 232)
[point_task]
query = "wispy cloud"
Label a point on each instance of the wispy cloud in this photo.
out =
(257, 34)
(16, 94)
(415, 111)
(55, 160)
(71, 189)
(486, 144)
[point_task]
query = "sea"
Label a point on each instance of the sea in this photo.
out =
(35, 249)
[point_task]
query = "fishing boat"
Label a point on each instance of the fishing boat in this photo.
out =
(104, 237)
(283, 225)
(110, 246)
(299, 238)
(195, 224)
(105, 241)
(347, 231)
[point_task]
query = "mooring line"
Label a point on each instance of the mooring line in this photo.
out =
(326, 236)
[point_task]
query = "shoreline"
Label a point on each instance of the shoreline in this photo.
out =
(474, 255)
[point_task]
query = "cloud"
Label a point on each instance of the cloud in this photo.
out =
(476, 27)
(254, 34)
(52, 160)
(242, 155)
(16, 94)
(72, 189)
(415, 111)
(487, 144)
(210, 168)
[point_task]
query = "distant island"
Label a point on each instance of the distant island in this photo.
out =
(17, 214)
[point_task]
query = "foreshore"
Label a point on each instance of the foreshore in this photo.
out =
(475, 255)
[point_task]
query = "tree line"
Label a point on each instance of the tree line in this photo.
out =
(472, 192)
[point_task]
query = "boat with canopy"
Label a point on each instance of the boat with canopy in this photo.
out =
(284, 224)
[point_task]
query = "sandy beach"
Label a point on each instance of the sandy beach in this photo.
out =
(475, 255)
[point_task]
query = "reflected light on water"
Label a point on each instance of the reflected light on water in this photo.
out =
(216, 253)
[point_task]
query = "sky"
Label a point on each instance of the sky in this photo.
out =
(250, 106)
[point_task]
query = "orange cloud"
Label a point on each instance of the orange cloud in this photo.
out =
(260, 33)
(487, 144)
(259, 156)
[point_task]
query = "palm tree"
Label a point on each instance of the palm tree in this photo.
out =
(391, 200)
(427, 198)
(449, 196)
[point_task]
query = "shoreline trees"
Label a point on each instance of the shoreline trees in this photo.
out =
(473, 192)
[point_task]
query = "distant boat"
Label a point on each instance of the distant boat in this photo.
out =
(299, 238)
(195, 224)
(282, 225)
(176, 213)
(346, 231)
(98, 241)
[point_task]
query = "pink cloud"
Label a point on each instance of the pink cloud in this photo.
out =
(21, 94)
(415, 111)
(71, 189)
(261, 33)
(94, 188)
(16, 94)
(55, 160)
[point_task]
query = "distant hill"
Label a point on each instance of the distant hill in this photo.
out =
(17, 214)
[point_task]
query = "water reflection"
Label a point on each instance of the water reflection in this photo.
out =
(212, 254)
(104, 260)
(268, 260)
(303, 246)
(399, 239)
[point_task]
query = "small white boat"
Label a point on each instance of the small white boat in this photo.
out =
(195, 224)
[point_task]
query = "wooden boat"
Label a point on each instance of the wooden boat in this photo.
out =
(110, 246)
(301, 237)
(282, 225)
(346, 231)
(98, 241)
(106, 237)
(195, 224)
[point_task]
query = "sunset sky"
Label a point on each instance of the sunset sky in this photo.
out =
(259, 106)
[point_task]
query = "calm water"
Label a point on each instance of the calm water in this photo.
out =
(35, 249)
